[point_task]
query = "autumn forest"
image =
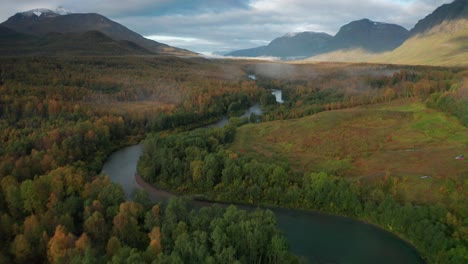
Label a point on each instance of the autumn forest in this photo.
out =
(61, 118)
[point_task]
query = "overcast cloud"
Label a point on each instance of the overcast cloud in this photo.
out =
(225, 25)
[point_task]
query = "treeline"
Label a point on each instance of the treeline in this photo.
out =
(200, 162)
(338, 87)
(192, 84)
(453, 101)
(230, 104)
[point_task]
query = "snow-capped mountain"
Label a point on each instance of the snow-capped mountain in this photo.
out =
(38, 12)
(41, 23)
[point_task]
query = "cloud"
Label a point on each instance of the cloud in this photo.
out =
(158, 7)
(224, 25)
(190, 43)
(264, 20)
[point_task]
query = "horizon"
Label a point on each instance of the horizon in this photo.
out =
(209, 26)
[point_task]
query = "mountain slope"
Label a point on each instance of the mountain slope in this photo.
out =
(441, 38)
(300, 44)
(88, 43)
(303, 44)
(12, 42)
(445, 44)
(456, 10)
(7, 34)
(40, 22)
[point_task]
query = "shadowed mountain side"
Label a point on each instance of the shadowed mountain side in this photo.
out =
(40, 25)
(361, 34)
(368, 35)
(296, 45)
(9, 37)
(302, 44)
(88, 43)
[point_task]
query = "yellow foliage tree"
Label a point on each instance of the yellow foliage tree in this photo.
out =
(60, 245)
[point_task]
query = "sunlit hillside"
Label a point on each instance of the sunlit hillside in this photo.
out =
(444, 45)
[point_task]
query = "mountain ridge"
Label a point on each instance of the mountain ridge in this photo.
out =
(368, 35)
(363, 33)
(297, 44)
(458, 9)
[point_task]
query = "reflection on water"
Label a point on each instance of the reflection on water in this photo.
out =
(121, 167)
(278, 94)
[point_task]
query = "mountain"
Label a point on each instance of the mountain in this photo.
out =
(9, 34)
(368, 35)
(12, 41)
(40, 22)
(363, 34)
(298, 44)
(253, 52)
(303, 44)
(441, 38)
(456, 10)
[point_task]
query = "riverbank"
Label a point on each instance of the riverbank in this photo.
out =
(152, 190)
(298, 223)
(318, 237)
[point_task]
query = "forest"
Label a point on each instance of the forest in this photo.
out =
(60, 118)
(205, 162)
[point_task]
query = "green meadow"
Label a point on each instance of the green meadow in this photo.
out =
(402, 140)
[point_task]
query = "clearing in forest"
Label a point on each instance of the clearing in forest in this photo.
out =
(401, 139)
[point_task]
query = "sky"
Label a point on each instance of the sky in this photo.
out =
(208, 26)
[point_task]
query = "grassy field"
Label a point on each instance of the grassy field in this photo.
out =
(402, 139)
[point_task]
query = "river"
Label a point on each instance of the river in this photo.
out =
(278, 95)
(315, 236)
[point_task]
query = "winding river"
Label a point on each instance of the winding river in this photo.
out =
(314, 236)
